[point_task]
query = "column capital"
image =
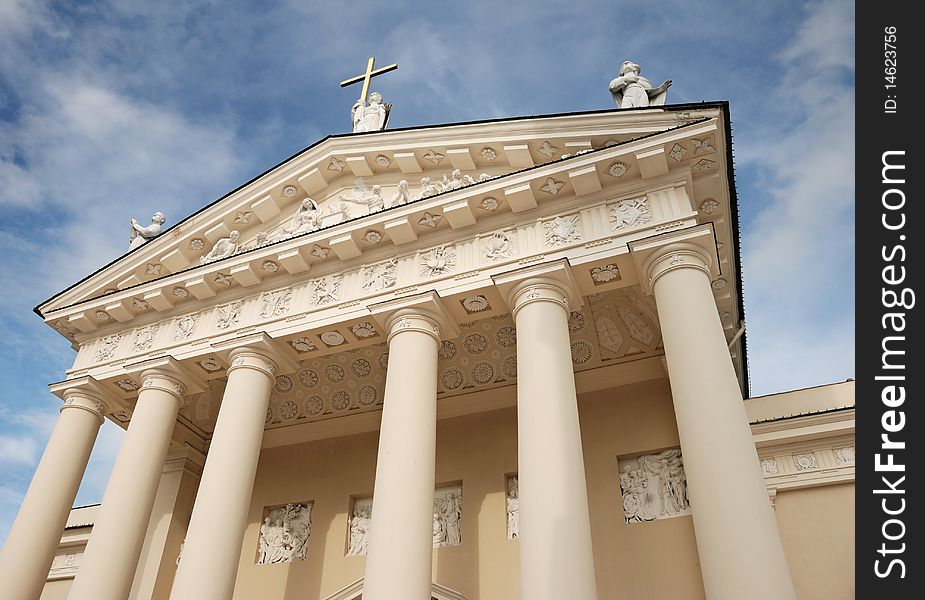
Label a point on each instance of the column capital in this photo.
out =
(156, 379)
(548, 282)
(423, 312)
(166, 374)
(85, 393)
(252, 358)
(694, 247)
(257, 351)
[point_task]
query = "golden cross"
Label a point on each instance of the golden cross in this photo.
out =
(369, 74)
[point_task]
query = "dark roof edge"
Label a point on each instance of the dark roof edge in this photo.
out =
(723, 104)
(737, 258)
(801, 415)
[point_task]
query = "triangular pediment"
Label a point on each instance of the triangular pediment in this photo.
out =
(358, 202)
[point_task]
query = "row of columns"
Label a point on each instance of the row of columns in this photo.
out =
(738, 542)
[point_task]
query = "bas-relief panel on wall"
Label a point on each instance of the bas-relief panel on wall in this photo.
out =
(512, 505)
(285, 533)
(614, 325)
(654, 486)
(448, 516)
(447, 526)
(360, 521)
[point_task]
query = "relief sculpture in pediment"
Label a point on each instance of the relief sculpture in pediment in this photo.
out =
(223, 248)
(306, 219)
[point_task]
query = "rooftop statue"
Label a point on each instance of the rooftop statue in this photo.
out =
(371, 116)
(631, 90)
(139, 235)
(369, 113)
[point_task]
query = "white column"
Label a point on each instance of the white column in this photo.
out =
(210, 558)
(741, 555)
(556, 558)
(108, 565)
(398, 560)
(34, 537)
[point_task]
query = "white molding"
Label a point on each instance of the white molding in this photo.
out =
(355, 590)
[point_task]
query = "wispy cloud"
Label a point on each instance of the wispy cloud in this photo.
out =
(17, 450)
(798, 250)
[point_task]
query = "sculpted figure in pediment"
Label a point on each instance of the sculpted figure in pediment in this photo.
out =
(223, 248)
(139, 234)
(429, 188)
(371, 199)
(402, 195)
(306, 219)
(454, 182)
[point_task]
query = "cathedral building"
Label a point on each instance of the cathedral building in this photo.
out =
(476, 361)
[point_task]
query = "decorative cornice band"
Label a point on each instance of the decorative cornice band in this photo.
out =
(540, 291)
(414, 322)
(676, 256)
(246, 358)
(85, 401)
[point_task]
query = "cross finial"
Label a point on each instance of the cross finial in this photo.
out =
(369, 74)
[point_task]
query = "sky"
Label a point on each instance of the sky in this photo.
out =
(111, 110)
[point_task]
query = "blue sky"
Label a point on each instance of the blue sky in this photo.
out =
(111, 110)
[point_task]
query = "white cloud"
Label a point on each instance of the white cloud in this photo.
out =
(798, 252)
(17, 450)
(91, 159)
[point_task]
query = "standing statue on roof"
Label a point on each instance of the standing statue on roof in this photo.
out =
(369, 113)
(631, 90)
(371, 116)
(139, 234)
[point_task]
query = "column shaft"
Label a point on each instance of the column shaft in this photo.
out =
(210, 558)
(556, 558)
(34, 537)
(741, 555)
(400, 554)
(108, 565)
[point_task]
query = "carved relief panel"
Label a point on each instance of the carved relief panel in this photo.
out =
(360, 519)
(512, 504)
(284, 533)
(448, 516)
(654, 486)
